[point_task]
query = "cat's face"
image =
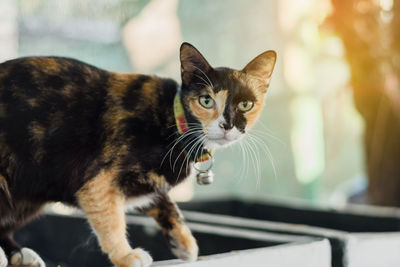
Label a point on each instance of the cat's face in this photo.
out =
(225, 102)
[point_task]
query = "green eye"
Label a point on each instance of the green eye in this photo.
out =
(206, 101)
(245, 105)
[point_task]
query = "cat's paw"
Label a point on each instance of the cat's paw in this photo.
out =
(26, 257)
(136, 258)
(3, 258)
(183, 244)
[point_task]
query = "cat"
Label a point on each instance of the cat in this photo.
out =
(98, 140)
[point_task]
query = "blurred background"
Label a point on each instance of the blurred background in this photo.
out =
(330, 127)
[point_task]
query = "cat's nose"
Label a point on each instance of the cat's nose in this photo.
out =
(225, 126)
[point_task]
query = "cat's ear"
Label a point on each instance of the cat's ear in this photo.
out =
(262, 66)
(193, 64)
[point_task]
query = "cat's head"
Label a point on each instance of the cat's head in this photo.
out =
(225, 102)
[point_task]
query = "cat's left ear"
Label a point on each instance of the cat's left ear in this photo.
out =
(262, 66)
(193, 64)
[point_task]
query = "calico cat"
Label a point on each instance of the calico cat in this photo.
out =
(98, 140)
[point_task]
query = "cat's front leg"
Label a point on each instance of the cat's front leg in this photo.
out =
(104, 206)
(174, 228)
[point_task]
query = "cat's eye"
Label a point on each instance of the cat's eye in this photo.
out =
(245, 105)
(206, 101)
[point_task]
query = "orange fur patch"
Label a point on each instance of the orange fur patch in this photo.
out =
(157, 180)
(37, 131)
(5, 189)
(259, 89)
(184, 236)
(32, 102)
(252, 115)
(204, 115)
(48, 65)
(104, 206)
(119, 82)
(182, 233)
(112, 118)
(149, 90)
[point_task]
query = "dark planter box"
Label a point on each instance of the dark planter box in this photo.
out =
(68, 241)
(360, 236)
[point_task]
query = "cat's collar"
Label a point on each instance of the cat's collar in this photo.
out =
(182, 125)
(179, 113)
(204, 176)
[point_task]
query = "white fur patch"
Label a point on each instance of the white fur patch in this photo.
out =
(3, 258)
(186, 254)
(144, 259)
(27, 257)
(139, 202)
(214, 131)
(216, 136)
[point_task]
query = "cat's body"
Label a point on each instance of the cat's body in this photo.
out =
(97, 140)
(58, 128)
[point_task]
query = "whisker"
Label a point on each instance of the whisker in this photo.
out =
(268, 132)
(188, 123)
(186, 135)
(262, 133)
(242, 171)
(187, 157)
(191, 131)
(199, 146)
(176, 141)
(205, 76)
(205, 85)
(247, 158)
(267, 151)
(208, 85)
(249, 155)
(257, 163)
(184, 149)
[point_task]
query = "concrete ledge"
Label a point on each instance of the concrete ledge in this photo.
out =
(313, 254)
(373, 249)
(360, 236)
(68, 241)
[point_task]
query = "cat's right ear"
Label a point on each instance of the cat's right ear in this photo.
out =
(262, 66)
(193, 64)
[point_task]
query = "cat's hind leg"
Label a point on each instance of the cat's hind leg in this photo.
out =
(16, 256)
(13, 219)
(26, 257)
(7, 243)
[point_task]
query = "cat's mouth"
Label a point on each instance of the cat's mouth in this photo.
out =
(216, 138)
(218, 142)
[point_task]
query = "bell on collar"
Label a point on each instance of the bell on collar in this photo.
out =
(204, 174)
(205, 177)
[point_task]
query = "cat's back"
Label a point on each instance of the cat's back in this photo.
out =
(34, 75)
(41, 85)
(51, 101)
